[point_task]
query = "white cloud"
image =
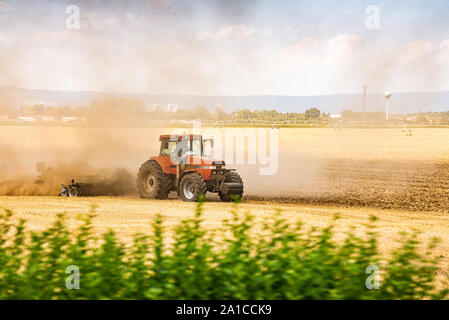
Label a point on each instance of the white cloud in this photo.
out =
(266, 32)
(101, 22)
(137, 20)
(5, 6)
(157, 4)
(240, 31)
(51, 36)
(444, 44)
(235, 32)
(289, 29)
(346, 43)
(301, 46)
(442, 54)
(278, 61)
(411, 52)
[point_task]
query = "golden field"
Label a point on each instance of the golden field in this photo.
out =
(400, 178)
(129, 146)
(375, 167)
(127, 216)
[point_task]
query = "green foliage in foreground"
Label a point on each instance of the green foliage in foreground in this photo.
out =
(281, 262)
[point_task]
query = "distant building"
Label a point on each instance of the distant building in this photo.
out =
(155, 107)
(48, 119)
(26, 119)
(171, 108)
(69, 119)
(335, 116)
(181, 121)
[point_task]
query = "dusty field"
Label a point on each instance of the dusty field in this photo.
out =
(127, 216)
(382, 168)
(400, 184)
(404, 180)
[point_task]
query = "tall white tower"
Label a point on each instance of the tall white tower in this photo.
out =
(364, 98)
(387, 95)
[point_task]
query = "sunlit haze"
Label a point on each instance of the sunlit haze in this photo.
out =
(226, 47)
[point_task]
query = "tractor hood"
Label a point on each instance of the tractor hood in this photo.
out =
(205, 161)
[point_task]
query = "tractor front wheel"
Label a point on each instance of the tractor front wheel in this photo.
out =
(152, 182)
(192, 186)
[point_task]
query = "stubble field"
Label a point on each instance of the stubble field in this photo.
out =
(382, 168)
(127, 216)
(402, 179)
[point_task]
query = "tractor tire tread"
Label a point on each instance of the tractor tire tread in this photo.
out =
(199, 182)
(163, 180)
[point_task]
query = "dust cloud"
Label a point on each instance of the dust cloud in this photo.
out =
(108, 156)
(361, 167)
(116, 154)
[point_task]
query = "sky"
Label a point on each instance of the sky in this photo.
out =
(227, 47)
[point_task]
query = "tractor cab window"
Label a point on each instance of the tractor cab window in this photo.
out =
(208, 147)
(167, 147)
(196, 147)
(191, 148)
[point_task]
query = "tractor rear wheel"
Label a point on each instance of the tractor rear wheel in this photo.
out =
(152, 182)
(232, 177)
(192, 186)
(73, 192)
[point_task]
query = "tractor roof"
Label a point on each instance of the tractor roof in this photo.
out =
(179, 137)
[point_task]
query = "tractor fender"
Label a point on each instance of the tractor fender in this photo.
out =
(205, 173)
(187, 171)
(165, 164)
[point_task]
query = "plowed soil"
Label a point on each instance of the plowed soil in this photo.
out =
(387, 184)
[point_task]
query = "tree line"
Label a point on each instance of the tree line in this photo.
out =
(119, 109)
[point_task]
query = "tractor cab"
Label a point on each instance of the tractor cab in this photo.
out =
(184, 164)
(182, 147)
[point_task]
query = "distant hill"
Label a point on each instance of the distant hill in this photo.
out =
(400, 102)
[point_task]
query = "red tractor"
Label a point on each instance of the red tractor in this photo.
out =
(182, 166)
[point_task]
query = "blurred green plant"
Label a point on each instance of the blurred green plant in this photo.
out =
(282, 261)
